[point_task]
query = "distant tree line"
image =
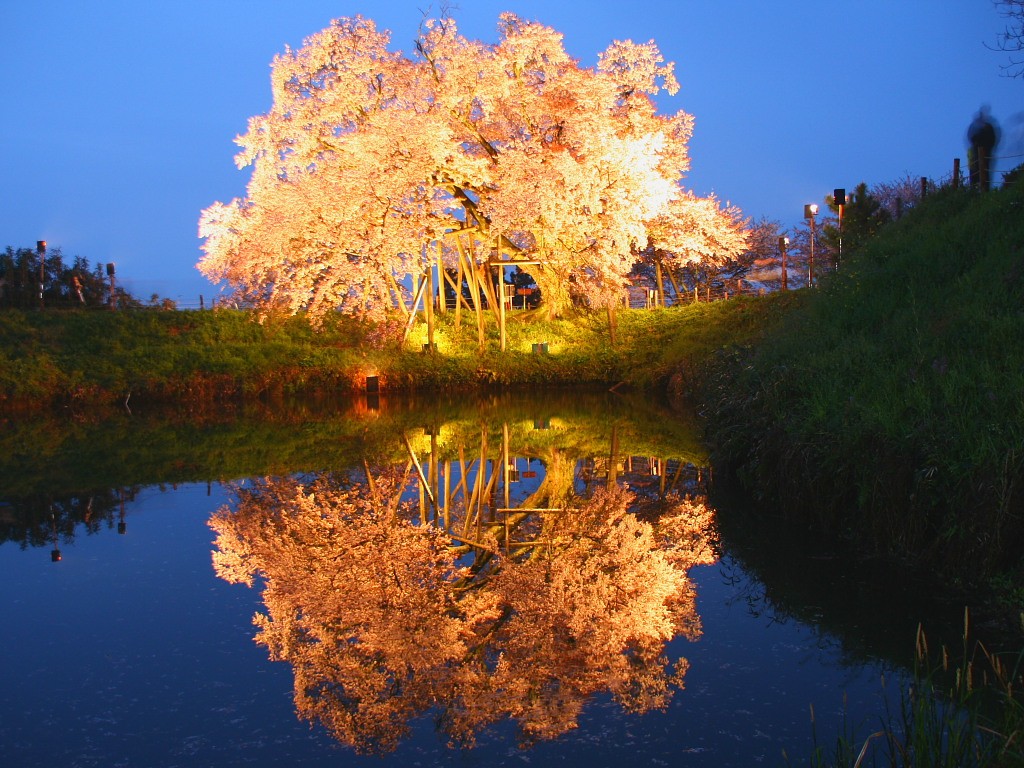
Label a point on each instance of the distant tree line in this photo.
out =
(64, 286)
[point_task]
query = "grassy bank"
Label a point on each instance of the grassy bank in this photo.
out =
(888, 409)
(85, 358)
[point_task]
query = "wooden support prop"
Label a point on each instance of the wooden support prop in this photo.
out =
(660, 282)
(443, 279)
(501, 308)
(675, 286)
(457, 288)
(467, 260)
(399, 301)
(484, 276)
(412, 313)
(428, 299)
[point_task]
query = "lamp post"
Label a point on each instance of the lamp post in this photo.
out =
(810, 211)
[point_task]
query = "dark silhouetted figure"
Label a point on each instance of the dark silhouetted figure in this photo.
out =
(983, 136)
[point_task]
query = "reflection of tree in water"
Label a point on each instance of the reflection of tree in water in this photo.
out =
(38, 520)
(383, 620)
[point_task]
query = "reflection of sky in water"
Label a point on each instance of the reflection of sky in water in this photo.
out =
(131, 652)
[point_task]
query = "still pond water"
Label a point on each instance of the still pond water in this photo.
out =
(439, 584)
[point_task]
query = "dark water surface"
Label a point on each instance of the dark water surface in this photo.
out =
(124, 647)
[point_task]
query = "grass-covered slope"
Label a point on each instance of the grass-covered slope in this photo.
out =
(889, 408)
(94, 357)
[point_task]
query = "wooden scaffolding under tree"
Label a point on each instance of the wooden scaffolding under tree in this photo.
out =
(480, 259)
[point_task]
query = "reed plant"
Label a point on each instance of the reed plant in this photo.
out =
(959, 709)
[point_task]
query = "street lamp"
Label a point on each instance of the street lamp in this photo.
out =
(783, 242)
(810, 211)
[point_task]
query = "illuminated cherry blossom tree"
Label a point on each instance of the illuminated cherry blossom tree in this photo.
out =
(372, 165)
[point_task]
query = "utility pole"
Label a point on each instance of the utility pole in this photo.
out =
(112, 299)
(41, 252)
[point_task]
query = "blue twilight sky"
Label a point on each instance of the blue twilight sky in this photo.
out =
(118, 117)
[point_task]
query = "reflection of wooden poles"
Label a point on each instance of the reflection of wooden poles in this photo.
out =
(419, 470)
(473, 509)
(528, 510)
(613, 468)
(447, 494)
(504, 460)
(437, 498)
(369, 479)
(676, 476)
(435, 487)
